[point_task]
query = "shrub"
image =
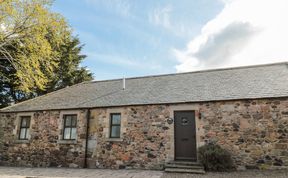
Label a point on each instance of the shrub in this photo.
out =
(215, 158)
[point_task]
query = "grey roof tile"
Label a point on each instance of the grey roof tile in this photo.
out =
(262, 81)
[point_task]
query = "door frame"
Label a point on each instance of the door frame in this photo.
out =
(185, 110)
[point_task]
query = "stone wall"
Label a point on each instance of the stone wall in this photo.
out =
(45, 147)
(144, 141)
(254, 131)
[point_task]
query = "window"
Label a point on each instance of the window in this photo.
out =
(115, 124)
(24, 127)
(70, 122)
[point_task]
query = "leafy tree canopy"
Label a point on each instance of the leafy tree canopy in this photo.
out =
(38, 53)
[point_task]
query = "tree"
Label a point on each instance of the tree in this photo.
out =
(68, 71)
(38, 53)
(27, 32)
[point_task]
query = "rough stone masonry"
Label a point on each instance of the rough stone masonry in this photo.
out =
(254, 131)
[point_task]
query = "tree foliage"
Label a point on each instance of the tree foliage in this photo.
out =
(38, 53)
(29, 38)
(68, 71)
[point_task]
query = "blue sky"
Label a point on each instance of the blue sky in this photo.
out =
(133, 37)
(147, 37)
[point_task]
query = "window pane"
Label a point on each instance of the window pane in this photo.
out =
(67, 121)
(115, 131)
(74, 121)
(73, 133)
(27, 133)
(67, 132)
(22, 133)
(27, 121)
(116, 119)
(23, 122)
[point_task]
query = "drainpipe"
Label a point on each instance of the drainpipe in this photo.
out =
(87, 135)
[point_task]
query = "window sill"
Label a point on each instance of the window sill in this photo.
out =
(68, 142)
(114, 139)
(22, 141)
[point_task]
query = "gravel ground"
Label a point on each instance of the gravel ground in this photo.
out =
(18, 172)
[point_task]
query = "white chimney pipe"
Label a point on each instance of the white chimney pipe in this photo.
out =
(124, 84)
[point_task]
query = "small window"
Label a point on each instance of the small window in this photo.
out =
(70, 122)
(24, 127)
(115, 125)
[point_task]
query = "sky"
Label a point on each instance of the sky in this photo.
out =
(127, 38)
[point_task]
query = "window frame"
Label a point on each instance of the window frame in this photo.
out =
(70, 126)
(26, 127)
(113, 125)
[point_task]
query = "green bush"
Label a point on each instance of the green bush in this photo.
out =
(215, 158)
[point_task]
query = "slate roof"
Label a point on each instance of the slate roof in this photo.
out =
(262, 81)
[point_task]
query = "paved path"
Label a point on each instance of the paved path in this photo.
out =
(239, 174)
(17, 172)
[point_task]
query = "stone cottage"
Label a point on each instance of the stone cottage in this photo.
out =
(145, 122)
